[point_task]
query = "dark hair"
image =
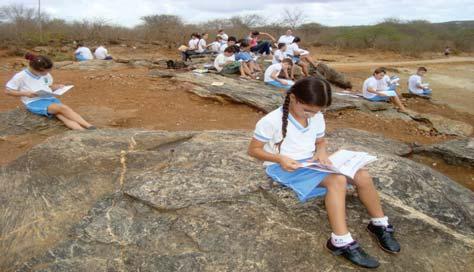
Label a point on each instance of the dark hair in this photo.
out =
(296, 39)
(255, 33)
(313, 91)
(80, 44)
(229, 49)
(379, 70)
(281, 45)
(220, 30)
(232, 38)
(422, 69)
(244, 43)
(236, 48)
(383, 69)
(39, 63)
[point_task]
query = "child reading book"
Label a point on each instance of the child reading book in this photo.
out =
(34, 81)
(374, 89)
(293, 134)
(273, 71)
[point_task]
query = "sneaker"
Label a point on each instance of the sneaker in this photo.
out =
(354, 253)
(384, 236)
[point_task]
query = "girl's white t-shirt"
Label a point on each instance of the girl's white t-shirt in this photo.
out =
(201, 47)
(278, 56)
(27, 81)
(371, 82)
(270, 70)
(291, 49)
(299, 143)
(85, 52)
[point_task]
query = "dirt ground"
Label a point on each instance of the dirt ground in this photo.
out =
(128, 98)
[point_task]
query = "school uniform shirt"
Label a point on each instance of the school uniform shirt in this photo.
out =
(201, 46)
(101, 53)
(270, 70)
(84, 52)
(299, 143)
(291, 49)
(193, 44)
(286, 39)
(413, 82)
(223, 47)
(224, 36)
(220, 60)
(371, 82)
(278, 56)
(382, 85)
(27, 81)
(215, 46)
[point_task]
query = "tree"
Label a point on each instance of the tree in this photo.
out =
(293, 18)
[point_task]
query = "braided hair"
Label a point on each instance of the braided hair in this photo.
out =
(313, 91)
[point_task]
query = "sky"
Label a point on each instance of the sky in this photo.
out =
(326, 12)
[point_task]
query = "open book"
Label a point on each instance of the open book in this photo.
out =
(388, 93)
(343, 162)
(60, 91)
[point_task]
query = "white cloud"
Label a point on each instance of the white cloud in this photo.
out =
(338, 12)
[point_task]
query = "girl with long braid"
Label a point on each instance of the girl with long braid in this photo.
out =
(294, 133)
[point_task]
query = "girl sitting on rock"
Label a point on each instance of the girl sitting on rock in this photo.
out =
(294, 133)
(27, 83)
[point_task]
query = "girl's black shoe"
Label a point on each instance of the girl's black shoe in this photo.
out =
(354, 253)
(384, 236)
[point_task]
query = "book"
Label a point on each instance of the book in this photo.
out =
(389, 93)
(344, 162)
(58, 92)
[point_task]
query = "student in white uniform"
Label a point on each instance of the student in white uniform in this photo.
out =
(36, 77)
(300, 56)
(83, 53)
(231, 41)
(215, 46)
(102, 53)
(279, 54)
(192, 47)
(294, 133)
(287, 38)
(224, 36)
(371, 90)
(202, 46)
(273, 71)
(416, 85)
(225, 63)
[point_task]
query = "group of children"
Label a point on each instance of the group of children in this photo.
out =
(381, 87)
(83, 53)
(283, 139)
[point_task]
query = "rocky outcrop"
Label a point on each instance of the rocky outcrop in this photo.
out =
(455, 152)
(130, 200)
(20, 121)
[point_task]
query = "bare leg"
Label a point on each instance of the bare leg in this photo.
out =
(309, 59)
(367, 193)
(304, 67)
(336, 202)
(396, 100)
(68, 113)
(69, 123)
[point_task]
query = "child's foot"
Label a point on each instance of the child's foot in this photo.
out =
(354, 253)
(384, 236)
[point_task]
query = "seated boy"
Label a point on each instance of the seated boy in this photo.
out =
(83, 53)
(225, 63)
(416, 85)
(371, 90)
(231, 41)
(273, 71)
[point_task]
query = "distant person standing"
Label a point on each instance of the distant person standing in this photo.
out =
(102, 53)
(416, 85)
(447, 51)
(287, 38)
(83, 53)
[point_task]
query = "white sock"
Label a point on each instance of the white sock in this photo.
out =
(341, 240)
(381, 221)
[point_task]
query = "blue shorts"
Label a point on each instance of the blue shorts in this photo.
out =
(304, 182)
(278, 84)
(425, 92)
(295, 59)
(244, 56)
(40, 107)
(379, 98)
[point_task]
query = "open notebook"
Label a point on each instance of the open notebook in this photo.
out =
(343, 162)
(60, 91)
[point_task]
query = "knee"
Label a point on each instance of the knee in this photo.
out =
(338, 183)
(363, 179)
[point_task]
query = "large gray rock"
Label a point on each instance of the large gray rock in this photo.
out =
(91, 65)
(251, 92)
(129, 200)
(20, 121)
(455, 152)
(444, 125)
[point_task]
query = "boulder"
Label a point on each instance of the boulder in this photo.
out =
(20, 121)
(444, 125)
(332, 76)
(133, 200)
(455, 152)
(93, 65)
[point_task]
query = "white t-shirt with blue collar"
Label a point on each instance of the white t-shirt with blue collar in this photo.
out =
(299, 143)
(29, 82)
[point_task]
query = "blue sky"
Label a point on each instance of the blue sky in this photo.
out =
(332, 13)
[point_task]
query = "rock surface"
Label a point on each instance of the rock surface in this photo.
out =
(444, 125)
(130, 200)
(20, 121)
(455, 152)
